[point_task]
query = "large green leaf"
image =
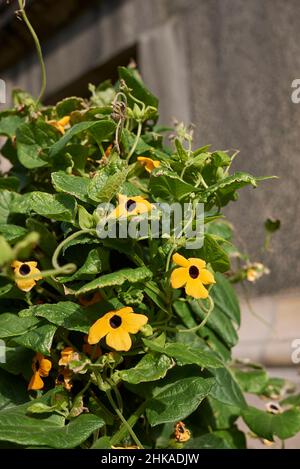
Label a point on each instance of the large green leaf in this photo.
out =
(9, 125)
(12, 325)
(213, 253)
(185, 355)
(225, 299)
(65, 313)
(226, 389)
(177, 399)
(17, 426)
(150, 368)
(61, 207)
(107, 182)
(218, 322)
(138, 88)
(12, 391)
(168, 186)
(39, 339)
(103, 129)
(220, 439)
(140, 274)
(73, 185)
(12, 233)
(267, 425)
(252, 379)
(33, 141)
(17, 360)
(95, 262)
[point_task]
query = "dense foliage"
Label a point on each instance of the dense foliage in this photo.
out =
(89, 386)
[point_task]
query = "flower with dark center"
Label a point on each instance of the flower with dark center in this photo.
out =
(41, 367)
(117, 326)
(130, 206)
(191, 274)
(22, 271)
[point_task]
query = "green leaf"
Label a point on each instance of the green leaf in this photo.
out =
(102, 443)
(33, 141)
(104, 129)
(12, 233)
(226, 188)
(61, 207)
(107, 182)
(73, 185)
(85, 219)
(178, 399)
(140, 274)
(168, 186)
(251, 379)
(17, 360)
(6, 198)
(18, 427)
(39, 339)
(68, 105)
(139, 90)
(185, 355)
(6, 252)
(213, 253)
(95, 262)
(10, 183)
(267, 425)
(47, 241)
(218, 415)
(12, 325)
(12, 391)
(218, 322)
(64, 313)
(226, 389)
(150, 368)
(220, 439)
(225, 299)
(9, 125)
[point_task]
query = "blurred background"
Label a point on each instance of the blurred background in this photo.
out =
(225, 65)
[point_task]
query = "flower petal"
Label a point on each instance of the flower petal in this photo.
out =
(16, 264)
(45, 367)
(196, 289)
(31, 264)
(206, 277)
(119, 340)
(179, 277)
(98, 330)
(36, 382)
(200, 263)
(180, 260)
(122, 311)
(26, 285)
(134, 322)
(35, 271)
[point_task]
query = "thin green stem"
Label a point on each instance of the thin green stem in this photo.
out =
(133, 148)
(121, 434)
(63, 243)
(38, 48)
(123, 420)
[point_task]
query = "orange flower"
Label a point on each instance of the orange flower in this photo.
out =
(41, 367)
(60, 124)
(191, 274)
(148, 163)
(65, 377)
(66, 356)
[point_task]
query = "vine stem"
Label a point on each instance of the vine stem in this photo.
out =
(133, 148)
(38, 48)
(123, 420)
(131, 422)
(63, 243)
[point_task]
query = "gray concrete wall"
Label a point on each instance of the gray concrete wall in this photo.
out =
(226, 65)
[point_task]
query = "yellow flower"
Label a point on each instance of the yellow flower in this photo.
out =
(130, 206)
(60, 124)
(25, 269)
(116, 326)
(149, 164)
(66, 356)
(41, 367)
(191, 274)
